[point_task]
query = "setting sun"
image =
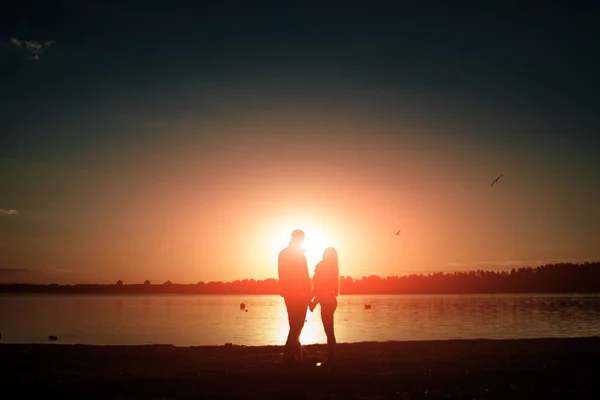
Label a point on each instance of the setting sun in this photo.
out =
(315, 242)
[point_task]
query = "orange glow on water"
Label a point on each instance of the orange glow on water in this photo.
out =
(311, 333)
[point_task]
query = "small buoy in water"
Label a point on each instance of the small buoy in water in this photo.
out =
(367, 306)
(52, 338)
(242, 306)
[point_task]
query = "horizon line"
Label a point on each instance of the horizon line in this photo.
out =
(414, 273)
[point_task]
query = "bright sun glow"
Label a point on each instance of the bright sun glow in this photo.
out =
(315, 242)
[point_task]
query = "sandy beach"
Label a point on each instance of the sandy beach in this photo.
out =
(461, 369)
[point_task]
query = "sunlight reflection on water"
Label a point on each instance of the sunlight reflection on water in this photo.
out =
(215, 320)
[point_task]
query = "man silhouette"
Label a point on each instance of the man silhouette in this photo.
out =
(296, 289)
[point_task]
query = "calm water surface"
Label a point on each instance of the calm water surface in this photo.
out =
(214, 320)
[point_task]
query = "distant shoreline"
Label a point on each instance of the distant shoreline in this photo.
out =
(547, 279)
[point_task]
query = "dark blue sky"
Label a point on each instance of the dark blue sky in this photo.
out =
(484, 64)
(136, 105)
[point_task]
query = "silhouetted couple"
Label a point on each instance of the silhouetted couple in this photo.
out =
(300, 294)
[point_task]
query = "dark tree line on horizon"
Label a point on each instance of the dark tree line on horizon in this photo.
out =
(551, 278)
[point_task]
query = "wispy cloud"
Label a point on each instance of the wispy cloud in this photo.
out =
(562, 260)
(508, 263)
(517, 263)
(9, 211)
(39, 276)
(11, 271)
(435, 271)
(457, 264)
(497, 264)
(33, 47)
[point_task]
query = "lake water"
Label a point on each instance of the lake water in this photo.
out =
(189, 320)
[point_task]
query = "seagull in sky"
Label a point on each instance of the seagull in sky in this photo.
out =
(496, 180)
(398, 233)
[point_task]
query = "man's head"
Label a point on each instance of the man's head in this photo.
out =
(297, 238)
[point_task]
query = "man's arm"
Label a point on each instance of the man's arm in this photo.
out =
(308, 282)
(281, 271)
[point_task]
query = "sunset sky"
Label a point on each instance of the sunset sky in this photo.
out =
(146, 141)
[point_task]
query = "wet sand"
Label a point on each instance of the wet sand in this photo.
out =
(458, 369)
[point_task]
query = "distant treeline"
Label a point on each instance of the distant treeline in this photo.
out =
(551, 278)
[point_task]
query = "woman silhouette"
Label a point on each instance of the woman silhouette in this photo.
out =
(326, 283)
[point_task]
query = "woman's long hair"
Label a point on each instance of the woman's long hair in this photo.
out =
(330, 264)
(330, 256)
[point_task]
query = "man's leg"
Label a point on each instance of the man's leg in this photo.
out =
(297, 316)
(301, 319)
(291, 320)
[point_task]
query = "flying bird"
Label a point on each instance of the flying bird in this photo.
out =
(398, 232)
(496, 180)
